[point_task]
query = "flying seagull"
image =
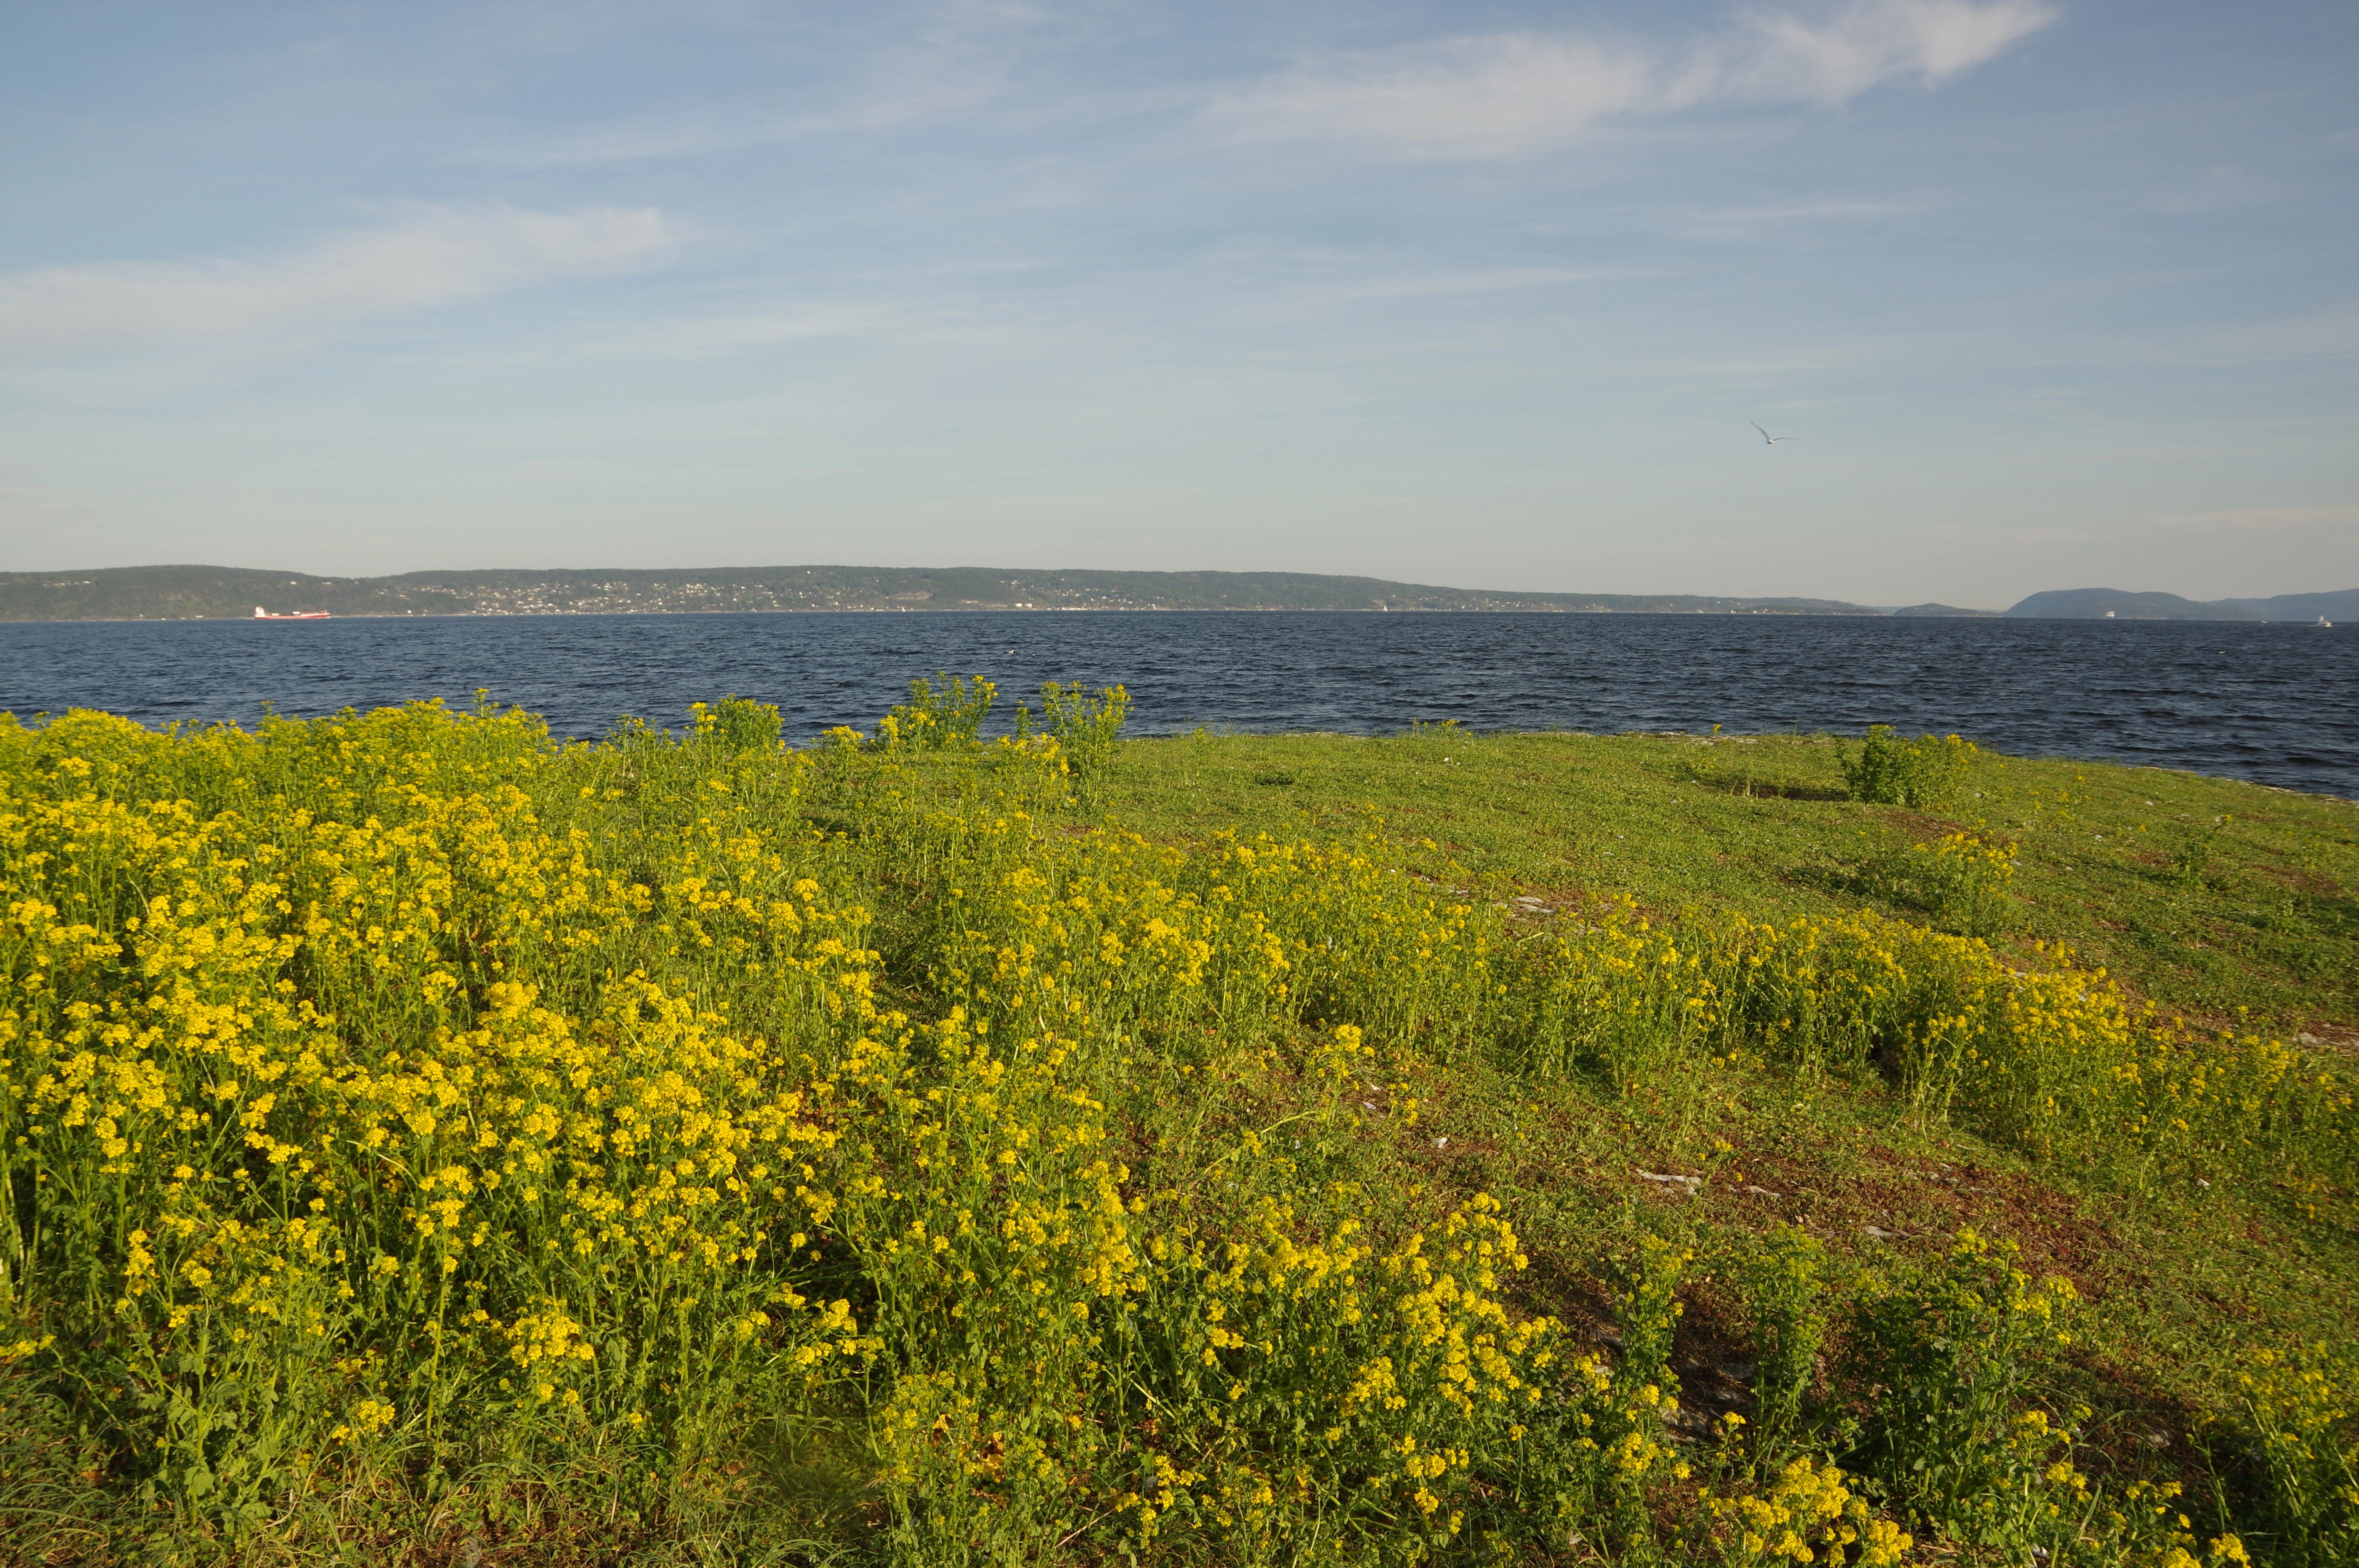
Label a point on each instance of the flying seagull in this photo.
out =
(1765, 436)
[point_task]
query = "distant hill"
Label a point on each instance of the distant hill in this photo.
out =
(181, 593)
(2343, 606)
(178, 593)
(2096, 603)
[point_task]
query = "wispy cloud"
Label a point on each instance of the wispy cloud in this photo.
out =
(2145, 528)
(890, 106)
(1751, 222)
(2221, 186)
(672, 339)
(1447, 283)
(2332, 333)
(424, 255)
(1501, 95)
(2262, 519)
(1472, 97)
(1777, 57)
(957, 61)
(638, 142)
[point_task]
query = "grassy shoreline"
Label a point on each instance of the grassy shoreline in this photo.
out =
(426, 1141)
(2265, 922)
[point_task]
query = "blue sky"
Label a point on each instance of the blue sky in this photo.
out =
(2050, 293)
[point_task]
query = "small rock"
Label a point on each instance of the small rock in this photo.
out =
(1763, 1192)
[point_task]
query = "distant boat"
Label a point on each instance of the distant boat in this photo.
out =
(262, 615)
(2322, 621)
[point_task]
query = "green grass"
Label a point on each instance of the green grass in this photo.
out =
(2224, 903)
(2261, 933)
(2270, 925)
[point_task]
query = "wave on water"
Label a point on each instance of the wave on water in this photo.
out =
(2273, 704)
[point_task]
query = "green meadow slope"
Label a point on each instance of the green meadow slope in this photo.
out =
(2214, 898)
(428, 1143)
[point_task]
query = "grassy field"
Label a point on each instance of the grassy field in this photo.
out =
(425, 1142)
(2267, 921)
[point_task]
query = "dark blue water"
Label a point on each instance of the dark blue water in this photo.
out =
(2277, 704)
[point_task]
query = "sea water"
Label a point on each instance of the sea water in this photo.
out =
(2273, 704)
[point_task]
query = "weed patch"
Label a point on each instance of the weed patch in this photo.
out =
(422, 1137)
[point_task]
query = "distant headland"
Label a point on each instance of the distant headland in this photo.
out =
(195, 592)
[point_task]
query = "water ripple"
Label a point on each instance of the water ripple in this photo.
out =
(2276, 704)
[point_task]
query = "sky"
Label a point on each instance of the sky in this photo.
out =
(2045, 292)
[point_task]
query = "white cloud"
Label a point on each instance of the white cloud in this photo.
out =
(2220, 188)
(1499, 95)
(890, 106)
(1779, 57)
(958, 60)
(634, 143)
(1463, 97)
(1446, 284)
(671, 339)
(426, 255)
(2263, 519)
(2332, 333)
(1740, 223)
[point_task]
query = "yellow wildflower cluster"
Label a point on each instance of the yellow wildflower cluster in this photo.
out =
(1808, 1515)
(412, 1088)
(2053, 1057)
(410, 1065)
(388, 1057)
(2303, 1405)
(1967, 855)
(368, 1415)
(1962, 879)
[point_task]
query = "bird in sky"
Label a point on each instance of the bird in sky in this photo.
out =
(1765, 436)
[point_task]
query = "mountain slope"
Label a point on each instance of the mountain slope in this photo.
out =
(150, 594)
(2095, 603)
